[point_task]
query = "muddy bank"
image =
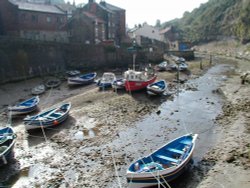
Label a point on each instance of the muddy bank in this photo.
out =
(87, 151)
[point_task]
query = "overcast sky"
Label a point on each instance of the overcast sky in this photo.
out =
(139, 11)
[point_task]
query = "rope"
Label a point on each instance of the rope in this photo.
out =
(157, 178)
(116, 171)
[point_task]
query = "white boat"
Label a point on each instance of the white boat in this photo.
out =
(83, 79)
(39, 89)
(157, 88)
(48, 118)
(164, 164)
(107, 80)
(24, 107)
(119, 84)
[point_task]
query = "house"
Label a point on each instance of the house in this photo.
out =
(119, 21)
(85, 27)
(113, 17)
(144, 31)
(32, 21)
(169, 36)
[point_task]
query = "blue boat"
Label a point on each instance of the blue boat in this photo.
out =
(7, 142)
(48, 118)
(157, 88)
(163, 165)
(82, 79)
(25, 106)
(107, 80)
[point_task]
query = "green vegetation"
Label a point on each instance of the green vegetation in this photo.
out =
(214, 20)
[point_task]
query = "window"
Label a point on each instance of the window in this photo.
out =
(48, 19)
(34, 18)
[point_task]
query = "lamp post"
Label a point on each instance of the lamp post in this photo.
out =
(133, 49)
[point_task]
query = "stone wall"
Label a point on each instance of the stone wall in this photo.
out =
(22, 59)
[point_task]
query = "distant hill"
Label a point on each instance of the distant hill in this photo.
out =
(214, 20)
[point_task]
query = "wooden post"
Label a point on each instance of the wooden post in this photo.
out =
(201, 67)
(210, 60)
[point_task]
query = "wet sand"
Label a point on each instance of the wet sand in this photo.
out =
(83, 150)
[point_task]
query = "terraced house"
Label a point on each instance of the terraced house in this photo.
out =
(32, 21)
(54, 20)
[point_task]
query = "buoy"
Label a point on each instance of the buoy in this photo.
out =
(55, 122)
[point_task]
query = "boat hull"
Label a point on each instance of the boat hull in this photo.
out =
(6, 145)
(157, 88)
(24, 107)
(138, 85)
(34, 122)
(82, 80)
(163, 165)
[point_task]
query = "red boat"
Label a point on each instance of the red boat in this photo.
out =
(136, 80)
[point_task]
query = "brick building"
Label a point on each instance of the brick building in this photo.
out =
(113, 17)
(32, 21)
(85, 27)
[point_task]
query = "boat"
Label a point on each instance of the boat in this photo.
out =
(163, 165)
(38, 90)
(7, 142)
(82, 79)
(162, 66)
(157, 88)
(106, 81)
(48, 118)
(118, 84)
(182, 66)
(52, 83)
(24, 107)
(136, 80)
(73, 73)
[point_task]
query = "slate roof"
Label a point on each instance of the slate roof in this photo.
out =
(114, 8)
(37, 7)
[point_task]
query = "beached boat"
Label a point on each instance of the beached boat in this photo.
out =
(157, 88)
(52, 83)
(119, 84)
(136, 80)
(73, 73)
(24, 107)
(183, 66)
(38, 90)
(106, 81)
(162, 66)
(163, 165)
(48, 118)
(82, 79)
(7, 142)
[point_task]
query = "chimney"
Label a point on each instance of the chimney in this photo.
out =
(103, 3)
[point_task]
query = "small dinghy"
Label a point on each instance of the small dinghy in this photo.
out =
(38, 90)
(73, 73)
(7, 142)
(118, 84)
(52, 83)
(48, 118)
(157, 88)
(82, 79)
(163, 165)
(25, 106)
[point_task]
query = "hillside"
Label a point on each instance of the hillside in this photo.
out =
(215, 19)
